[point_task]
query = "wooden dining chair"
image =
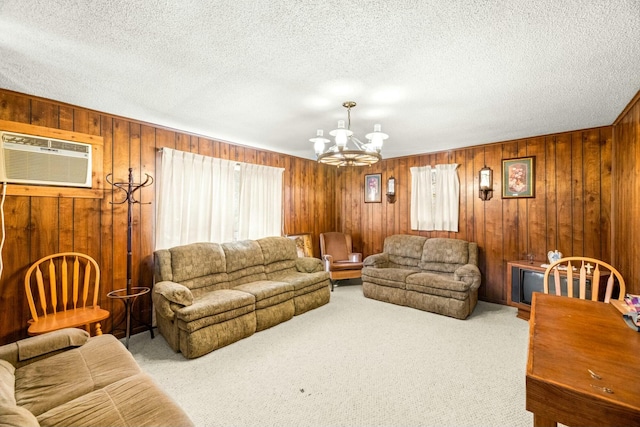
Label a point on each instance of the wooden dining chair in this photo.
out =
(62, 291)
(580, 265)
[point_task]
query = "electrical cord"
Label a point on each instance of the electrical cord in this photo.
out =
(4, 194)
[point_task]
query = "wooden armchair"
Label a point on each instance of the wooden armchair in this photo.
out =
(581, 266)
(338, 258)
(62, 292)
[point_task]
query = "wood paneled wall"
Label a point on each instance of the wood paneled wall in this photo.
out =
(626, 195)
(38, 226)
(571, 211)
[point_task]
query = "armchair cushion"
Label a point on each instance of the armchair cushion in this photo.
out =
(335, 244)
(343, 265)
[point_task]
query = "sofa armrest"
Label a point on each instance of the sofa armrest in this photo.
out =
(308, 265)
(469, 274)
(377, 260)
(30, 349)
(355, 257)
(167, 296)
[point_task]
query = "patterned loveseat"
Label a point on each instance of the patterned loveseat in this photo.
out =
(208, 295)
(438, 275)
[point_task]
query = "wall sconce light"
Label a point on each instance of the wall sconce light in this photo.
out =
(391, 189)
(486, 183)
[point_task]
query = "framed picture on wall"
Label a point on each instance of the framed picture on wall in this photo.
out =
(518, 177)
(303, 244)
(372, 188)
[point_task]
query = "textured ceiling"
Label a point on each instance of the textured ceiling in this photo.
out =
(436, 74)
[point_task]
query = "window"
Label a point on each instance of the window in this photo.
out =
(435, 198)
(206, 199)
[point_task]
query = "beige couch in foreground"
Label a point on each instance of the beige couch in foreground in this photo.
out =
(208, 295)
(65, 378)
(439, 275)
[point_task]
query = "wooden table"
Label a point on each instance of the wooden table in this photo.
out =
(568, 339)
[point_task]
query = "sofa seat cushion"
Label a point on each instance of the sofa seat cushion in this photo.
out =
(268, 292)
(438, 284)
(391, 277)
(133, 401)
(216, 303)
(58, 379)
(302, 282)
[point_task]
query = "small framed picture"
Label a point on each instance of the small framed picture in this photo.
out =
(303, 244)
(518, 177)
(372, 188)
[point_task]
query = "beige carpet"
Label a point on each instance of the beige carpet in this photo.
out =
(356, 362)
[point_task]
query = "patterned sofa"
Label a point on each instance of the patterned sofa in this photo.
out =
(438, 275)
(208, 295)
(66, 378)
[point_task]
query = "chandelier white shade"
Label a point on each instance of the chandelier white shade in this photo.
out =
(347, 149)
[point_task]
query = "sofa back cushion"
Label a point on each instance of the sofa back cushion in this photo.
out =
(404, 250)
(279, 253)
(245, 262)
(196, 265)
(446, 255)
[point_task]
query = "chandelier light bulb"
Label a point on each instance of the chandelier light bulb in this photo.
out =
(377, 137)
(341, 135)
(319, 141)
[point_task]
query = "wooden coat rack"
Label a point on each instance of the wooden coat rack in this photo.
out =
(129, 294)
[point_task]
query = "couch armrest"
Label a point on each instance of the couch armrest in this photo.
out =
(469, 274)
(30, 349)
(308, 265)
(355, 257)
(167, 296)
(377, 260)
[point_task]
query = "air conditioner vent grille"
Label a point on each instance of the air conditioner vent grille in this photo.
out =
(25, 165)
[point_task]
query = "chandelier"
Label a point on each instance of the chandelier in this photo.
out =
(347, 149)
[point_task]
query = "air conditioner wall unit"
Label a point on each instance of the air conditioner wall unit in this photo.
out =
(29, 159)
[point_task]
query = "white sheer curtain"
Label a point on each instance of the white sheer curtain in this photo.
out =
(435, 198)
(260, 209)
(195, 200)
(421, 198)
